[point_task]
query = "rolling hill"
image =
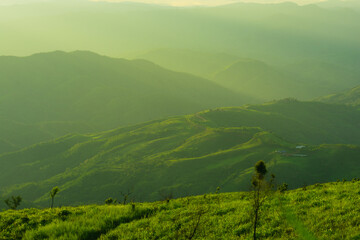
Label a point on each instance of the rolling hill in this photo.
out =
(17, 134)
(51, 94)
(192, 154)
(350, 97)
(296, 121)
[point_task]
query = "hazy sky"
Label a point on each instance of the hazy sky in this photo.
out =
(210, 2)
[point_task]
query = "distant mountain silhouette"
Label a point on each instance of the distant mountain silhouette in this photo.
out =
(97, 91)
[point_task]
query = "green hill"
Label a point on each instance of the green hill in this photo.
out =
(191, 154)
(51, 94)
(323, 211)
(17, 134)
(296, 121)
(350, 97)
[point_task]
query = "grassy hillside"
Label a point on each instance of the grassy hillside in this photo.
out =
(17, 134)
(322, 211)
(350, 97)
(51, 94)
(296, 121)
(190, 155)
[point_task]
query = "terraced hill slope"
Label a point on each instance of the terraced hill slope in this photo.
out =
(192, 154)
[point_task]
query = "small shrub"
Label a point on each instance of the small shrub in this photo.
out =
(63, 214)
(25, 219)
(110, 201)
(133, 206)
(13, 202)
(243, 230)
(282, 188)
(125, 196)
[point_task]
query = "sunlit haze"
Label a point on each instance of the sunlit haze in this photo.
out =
(211, 2)
(179, 119)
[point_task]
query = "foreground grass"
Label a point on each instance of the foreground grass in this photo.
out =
(322, 211)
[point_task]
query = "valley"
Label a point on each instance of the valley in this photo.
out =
(179, 119)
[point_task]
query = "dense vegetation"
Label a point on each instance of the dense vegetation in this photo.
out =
(322, 211)
(190, 155)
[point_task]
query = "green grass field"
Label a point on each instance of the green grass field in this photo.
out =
(321, 211)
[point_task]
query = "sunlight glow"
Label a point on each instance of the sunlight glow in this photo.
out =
(181, 3)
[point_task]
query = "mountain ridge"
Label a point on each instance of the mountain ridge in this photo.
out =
(98, 91)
